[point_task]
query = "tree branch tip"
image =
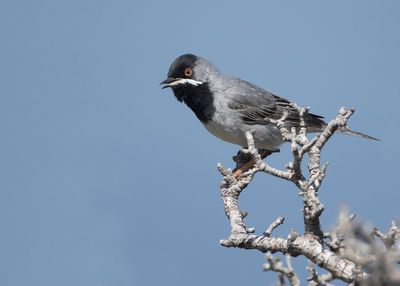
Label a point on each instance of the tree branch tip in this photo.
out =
(289, 166)
(226, 243)
(243, 214)
(224, 171)
(273, 226)
(342, 110)
(376, 232)
(352, 217)
(266, 266)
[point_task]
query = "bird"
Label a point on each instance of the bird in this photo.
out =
(228, 106)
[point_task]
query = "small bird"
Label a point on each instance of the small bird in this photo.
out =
(228, 106)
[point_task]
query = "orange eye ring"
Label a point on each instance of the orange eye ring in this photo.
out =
(188, 72)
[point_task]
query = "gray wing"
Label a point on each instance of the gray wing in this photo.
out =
(256, 104)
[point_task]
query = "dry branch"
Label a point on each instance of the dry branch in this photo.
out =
(327, 250)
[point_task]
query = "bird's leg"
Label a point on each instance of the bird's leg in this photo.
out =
(245, 161)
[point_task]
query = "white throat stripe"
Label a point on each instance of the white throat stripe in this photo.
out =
(185, 80)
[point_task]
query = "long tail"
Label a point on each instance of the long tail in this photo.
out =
(348, 131)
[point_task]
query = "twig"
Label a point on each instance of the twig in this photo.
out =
(273, 225)
(389, 238)
(276, 264)
(317, 280)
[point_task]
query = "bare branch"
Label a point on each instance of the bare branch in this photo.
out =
(347, 253)
(317, 280)
(389, 238)
(276, 264)
(306, 245)
(274, 225)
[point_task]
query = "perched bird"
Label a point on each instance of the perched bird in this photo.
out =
(229, 106)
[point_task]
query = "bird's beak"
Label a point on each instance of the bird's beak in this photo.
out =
(168, 82)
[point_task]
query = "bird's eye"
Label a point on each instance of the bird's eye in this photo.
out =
(188, 72)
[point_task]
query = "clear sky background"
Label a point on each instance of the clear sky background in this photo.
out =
(105, 179)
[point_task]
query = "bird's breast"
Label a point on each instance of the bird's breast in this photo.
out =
(226, 127)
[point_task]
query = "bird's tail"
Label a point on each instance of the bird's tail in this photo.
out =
(348, 131)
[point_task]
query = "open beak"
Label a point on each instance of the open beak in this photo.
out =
(168, 82)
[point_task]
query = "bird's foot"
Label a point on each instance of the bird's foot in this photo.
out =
(245, 161)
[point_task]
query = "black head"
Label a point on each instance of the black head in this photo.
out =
(183, 66)
(182, 72)
(188, 76)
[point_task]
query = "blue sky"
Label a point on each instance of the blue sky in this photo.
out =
(105, 179)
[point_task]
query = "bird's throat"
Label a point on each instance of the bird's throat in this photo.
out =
(199, 99)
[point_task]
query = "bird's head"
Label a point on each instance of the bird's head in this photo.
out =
(187, 73)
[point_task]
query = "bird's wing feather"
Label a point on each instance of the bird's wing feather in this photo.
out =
(256, 105)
